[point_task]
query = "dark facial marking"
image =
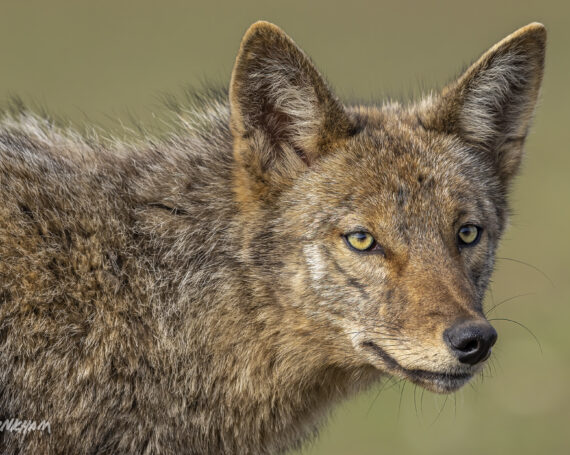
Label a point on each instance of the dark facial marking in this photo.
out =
(26, 211)
(354, 283)
(172, 210)
(402, 196)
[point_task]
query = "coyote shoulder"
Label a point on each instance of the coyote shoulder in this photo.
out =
(217, 290)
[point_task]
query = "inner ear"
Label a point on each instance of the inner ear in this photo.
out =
(276, 92)
(491, 105)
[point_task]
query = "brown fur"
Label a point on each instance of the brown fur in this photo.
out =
(195, 294)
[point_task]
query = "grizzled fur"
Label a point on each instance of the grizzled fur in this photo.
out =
(195, 294)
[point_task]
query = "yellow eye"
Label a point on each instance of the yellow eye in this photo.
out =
(360, 241)
(469, 235)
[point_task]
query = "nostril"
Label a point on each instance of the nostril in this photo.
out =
(471, 342)
(470, 346)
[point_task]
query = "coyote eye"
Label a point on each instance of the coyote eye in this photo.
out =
(469, 235)
(361, 242)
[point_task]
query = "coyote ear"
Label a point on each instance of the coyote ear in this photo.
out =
(491, 104)
(279, 102)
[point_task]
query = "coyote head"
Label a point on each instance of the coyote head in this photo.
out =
(379, 225)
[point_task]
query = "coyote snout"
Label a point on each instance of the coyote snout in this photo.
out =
(442, 367)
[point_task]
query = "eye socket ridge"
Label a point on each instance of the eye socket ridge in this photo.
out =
(469, 235)
(362, 242)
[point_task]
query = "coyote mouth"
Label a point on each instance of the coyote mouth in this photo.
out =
(441, 382)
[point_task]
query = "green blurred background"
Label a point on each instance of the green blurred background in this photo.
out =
(107, 61)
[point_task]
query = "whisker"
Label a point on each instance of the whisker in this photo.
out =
(455, 405)
(401, 396)
(440, 411)
(383, 386)
(518, 261)
(395, 382)
(508, 300)
(415, 403)
(524, 327)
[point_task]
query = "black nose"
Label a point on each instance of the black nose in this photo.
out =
(471, 341)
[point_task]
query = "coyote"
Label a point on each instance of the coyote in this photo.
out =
(218, 289)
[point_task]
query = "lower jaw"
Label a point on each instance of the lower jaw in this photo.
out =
(435, 382)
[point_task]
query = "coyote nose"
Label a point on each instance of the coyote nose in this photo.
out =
(471, 341)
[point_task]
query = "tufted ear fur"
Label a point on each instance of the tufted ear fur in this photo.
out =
(281, 108)
(491, 105)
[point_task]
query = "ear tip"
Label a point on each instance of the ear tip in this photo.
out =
(534, 32)
(530, 40)
(535, 27)
(261, 24)
(262, 28)
(258, 34)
